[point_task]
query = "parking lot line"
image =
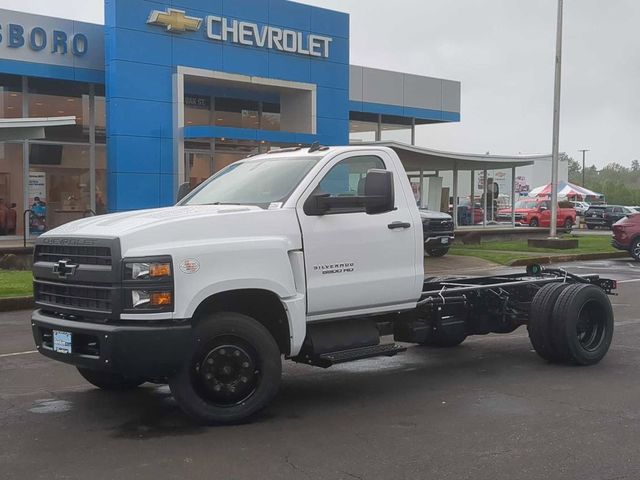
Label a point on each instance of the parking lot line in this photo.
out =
(17, 353)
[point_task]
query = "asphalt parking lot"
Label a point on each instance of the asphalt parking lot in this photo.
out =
(489, 409)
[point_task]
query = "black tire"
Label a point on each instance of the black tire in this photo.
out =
(539, 325)
(590, 227)
(445, 338)
(634, 250)
(568, 225)
(582, 324)
(437, 252)
(109, 381)
(233, 370)
(534, 223)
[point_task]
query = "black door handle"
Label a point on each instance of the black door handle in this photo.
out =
(394, 225)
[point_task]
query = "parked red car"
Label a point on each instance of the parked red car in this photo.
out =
(626, 235)
(537, 213)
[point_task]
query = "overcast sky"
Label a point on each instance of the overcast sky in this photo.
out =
(503, 52)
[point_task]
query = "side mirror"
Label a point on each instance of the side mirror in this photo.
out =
(542, 209)
(378, 192)
(183, 191)
(317, 204)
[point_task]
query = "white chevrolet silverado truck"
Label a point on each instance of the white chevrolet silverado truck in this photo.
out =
(311, 255)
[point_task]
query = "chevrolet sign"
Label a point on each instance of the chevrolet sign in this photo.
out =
(284, 40)
(221, 29)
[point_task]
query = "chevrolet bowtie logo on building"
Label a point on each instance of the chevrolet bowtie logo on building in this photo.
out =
(174, 20)
(64, 269)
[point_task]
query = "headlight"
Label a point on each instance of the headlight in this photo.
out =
(147, 284)
(147, 270)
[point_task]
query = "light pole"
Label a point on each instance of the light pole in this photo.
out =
(583, 153)
(556, 126)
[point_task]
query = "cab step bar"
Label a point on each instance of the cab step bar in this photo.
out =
(326, 360)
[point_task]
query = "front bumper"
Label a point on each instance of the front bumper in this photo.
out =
(619, 246)
(440, 241)
(150, 351)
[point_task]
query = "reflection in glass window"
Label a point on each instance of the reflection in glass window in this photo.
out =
(11, 188)
(57, 98)
(59, 185)
(347, 178)
(10, 96)
(233, 112)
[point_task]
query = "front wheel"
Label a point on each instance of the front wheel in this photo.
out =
(437, 252)
(590, 226)
(534, 223)
(232, 371)
(109, 381)
(568, 225)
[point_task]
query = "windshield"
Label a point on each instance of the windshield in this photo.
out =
(527, 204)
(253, 182)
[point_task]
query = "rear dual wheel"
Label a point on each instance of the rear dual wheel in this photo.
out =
(571, 323)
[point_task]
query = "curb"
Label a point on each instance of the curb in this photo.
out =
(10, 304)
(523, 262)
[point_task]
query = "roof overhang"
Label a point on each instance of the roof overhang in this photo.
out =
(30, 128)
(418, 158)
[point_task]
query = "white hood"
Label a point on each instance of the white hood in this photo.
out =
(183, 225)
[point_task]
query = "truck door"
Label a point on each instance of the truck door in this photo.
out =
(355, 261)
(545, 215)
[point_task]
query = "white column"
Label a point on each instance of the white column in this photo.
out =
(455, 194)
(513, 197)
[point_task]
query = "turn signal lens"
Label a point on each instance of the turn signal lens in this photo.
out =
(159, 270)
(160, 298)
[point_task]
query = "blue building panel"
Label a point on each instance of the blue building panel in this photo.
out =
(332, 102)
(254, 10)
(290, 15)
(157, 86)
(286, 67)
(245, 60)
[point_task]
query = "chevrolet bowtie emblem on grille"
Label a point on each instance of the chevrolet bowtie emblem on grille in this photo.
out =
(64, 269)
(174, 20)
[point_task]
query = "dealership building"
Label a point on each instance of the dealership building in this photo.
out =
(114, 117)
(172, 91)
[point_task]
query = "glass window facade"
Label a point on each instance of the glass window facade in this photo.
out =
(51, 177)
(231, 112)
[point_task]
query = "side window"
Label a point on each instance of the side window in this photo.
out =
(346, 178)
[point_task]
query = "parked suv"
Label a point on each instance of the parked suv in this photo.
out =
(626, 235)
(594, 217)
(581, 207)
(533, 212)
(613, 213)
(437, 229)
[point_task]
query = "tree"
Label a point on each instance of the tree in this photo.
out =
(635, 166)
